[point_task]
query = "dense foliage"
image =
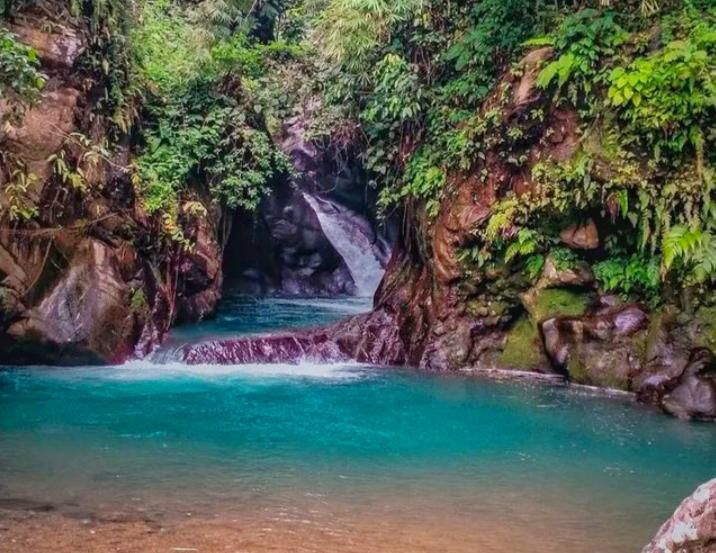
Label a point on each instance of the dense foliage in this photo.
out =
(420, 78)
(202, 123)
(20, 80)
(418, 89)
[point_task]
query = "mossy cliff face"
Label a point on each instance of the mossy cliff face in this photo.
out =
(89, 278)
(440, 312)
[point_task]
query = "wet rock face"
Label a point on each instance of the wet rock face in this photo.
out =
(598, 349)
(201, 275)
(693, 394)
(290, 348)
(370, 338)
(85, 317)
(283, 250)
(692, 528)
(88, 280)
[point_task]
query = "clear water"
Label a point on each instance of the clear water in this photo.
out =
(446, 463)
(242, 315)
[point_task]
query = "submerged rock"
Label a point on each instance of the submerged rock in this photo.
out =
(692, 527)
(282, 348)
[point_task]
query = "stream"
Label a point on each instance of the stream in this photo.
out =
(348, 457)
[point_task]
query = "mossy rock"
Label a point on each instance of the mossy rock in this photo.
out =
(705, 321)
(523, 347)
(557, 302)
(599, 369)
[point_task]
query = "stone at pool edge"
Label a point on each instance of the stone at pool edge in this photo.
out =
(692, 527)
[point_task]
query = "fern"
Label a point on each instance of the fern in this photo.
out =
(526, 243)
(681, 244)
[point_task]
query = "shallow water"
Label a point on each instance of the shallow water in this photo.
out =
(346, 458)
(240, 315)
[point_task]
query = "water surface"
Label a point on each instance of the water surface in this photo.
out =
(348, 458)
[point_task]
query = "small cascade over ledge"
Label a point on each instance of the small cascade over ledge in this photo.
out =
(365, 254)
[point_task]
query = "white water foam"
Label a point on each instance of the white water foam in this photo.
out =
(146, 370)
(349, 234)
(347, 306)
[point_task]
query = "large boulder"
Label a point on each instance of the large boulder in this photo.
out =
(86, 316)
(601, 349)
(692, 527)
(693, 394)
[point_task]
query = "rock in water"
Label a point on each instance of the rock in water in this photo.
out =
(84, 318)
(694, 394)
(692, 528)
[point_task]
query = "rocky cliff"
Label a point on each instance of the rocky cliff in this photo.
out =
(88, 278)
(436, 311)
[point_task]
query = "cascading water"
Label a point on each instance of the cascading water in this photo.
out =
(352, 237)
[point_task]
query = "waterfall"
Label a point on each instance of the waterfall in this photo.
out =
(353, 238)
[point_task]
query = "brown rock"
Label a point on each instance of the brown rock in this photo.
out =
(581, 237)
(530, 66)
(86, 315)
(603, 349)
(54, 49)
(693, 394)
(201, 275)
(44, 131)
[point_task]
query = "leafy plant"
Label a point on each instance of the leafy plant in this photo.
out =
(632, 276)
(18, 204)
(525, 244)
(490, 34)
(669, 97)
(693, 251)
(20, 78)
(564, 259)
(582, 41)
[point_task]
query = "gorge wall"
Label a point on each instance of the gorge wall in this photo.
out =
(89, 279)
(284, 248)
(94, 277)
(89, 275)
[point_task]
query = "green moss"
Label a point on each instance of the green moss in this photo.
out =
(138, 302)
(706, 320)
(577, 370)
(523, 350)
(558, 302)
